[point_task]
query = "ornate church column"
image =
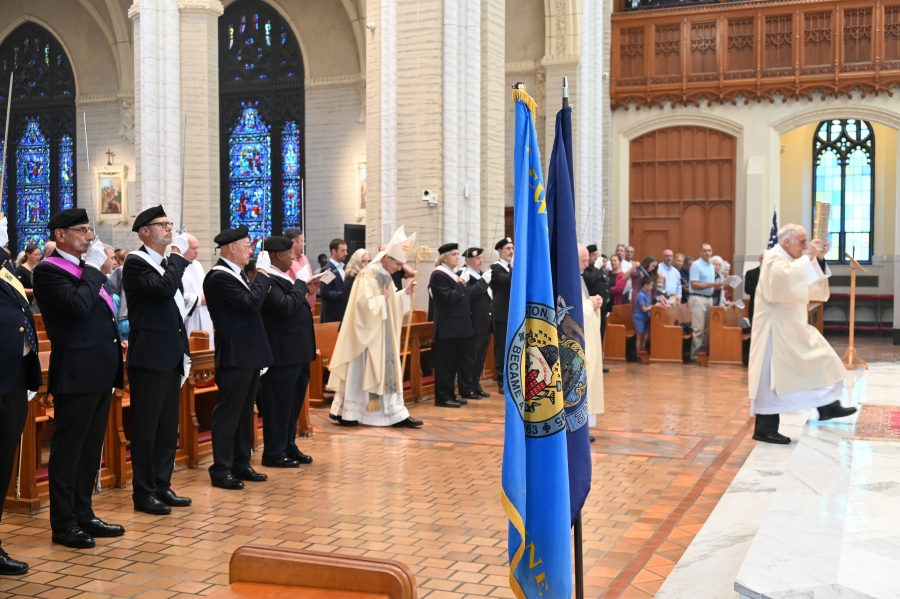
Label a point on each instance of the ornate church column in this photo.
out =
(494, 98)
(591, 104)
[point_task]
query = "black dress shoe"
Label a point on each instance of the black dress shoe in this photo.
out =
(151, 505)
(74, 537)
(776, 438)
(834, 410)
(11, 567)
(462, 400)
(473, 395)
(592, 439)
(606, 371)
(299, 456)
(227, 482)
(483, 393)
(410, 422)
(333, 417)
(172, 500)
(343, 422)
(284, 462)
(100, 529)
(252, 475)
(449, 403)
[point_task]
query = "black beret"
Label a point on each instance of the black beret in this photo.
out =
(591, 248)
(68, 218)
(277, 243)
(231, 235)
(502, 243)
(473, 252)
(144, 218)
(448, 247)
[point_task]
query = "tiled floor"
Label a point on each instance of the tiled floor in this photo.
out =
(668, 446)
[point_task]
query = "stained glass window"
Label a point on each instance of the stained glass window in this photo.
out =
(32, 185)
(66, 179)
(843, 151)
(290, 166)
(250, 175)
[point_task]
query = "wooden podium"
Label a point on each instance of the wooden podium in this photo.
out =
(851, 360)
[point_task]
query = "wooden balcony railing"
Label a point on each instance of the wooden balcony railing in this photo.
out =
(754, 51)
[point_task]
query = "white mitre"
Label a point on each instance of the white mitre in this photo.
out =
(398, 247)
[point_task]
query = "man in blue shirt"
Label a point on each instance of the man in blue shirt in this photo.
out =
(702, 287)
(671, 273)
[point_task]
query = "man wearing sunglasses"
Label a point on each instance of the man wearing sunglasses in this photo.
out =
(85, 365)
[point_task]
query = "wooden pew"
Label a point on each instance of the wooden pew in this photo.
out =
(275, 573)
(817, 316)
(418, 383)
(666, 335)
(198, 397)
(619, 328)
(326, 338)
(726, 338)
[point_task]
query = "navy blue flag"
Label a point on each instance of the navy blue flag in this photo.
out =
(566, 276)
(773, 234)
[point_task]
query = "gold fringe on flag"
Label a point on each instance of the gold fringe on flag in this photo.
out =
(520, 95)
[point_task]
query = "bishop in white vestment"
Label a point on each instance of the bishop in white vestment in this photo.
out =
(792, 367)
(365, 368)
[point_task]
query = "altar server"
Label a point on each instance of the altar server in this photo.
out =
(452, 316)
(197, 314)
(158, 358)
(501, 282)
(242, 350)
(85, 365)
(289, 327)
(593, 345)
(365, 368)
(480, 306)
(792, 367)
(20, 374)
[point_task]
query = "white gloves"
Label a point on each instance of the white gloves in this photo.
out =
(4, 234)
(487, 276)
(263, 262)
(464, 276)
(181, 242)
(96, 254)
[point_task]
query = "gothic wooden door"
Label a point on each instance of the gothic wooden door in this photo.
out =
(682, 191)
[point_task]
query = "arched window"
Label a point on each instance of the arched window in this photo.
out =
(844, 157)
(261, 115)
(40, 178)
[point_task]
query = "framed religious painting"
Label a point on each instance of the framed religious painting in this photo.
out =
(109, 189)
(361, 190)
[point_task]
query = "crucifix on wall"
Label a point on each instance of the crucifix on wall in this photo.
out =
(109, 157)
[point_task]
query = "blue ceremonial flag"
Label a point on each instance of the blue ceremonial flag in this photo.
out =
(535, 491)
(564, 266)
(773, 234)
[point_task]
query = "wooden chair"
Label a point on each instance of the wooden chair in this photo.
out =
(272, 573)
(726, 338)
(666, 335)
(326, 338)
(619, 328)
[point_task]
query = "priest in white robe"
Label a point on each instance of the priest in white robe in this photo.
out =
(196, 313)
(365, 368)
(792, 367)
(593, 343)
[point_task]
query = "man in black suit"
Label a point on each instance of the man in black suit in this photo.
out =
(751, 281)
(597, 282)
(452, 316)
(85, 365)
(480, 305)
(333, 301)
(21, 373)
(501, 282)
(289, 327)
(242, 350)
(157, 348)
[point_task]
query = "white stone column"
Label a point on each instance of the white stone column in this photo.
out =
(494, 96)
(588, 120)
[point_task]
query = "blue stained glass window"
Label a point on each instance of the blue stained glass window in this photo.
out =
(250, 175)
(66, 179)
(32, 185)
(290, 161)
(843, 152)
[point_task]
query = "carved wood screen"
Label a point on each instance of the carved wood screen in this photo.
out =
(754, 50)
(682, 187)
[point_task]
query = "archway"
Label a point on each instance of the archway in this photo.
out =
(261, 102)
(40, 174)
(682, 188)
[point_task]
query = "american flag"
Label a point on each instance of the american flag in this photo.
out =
(773, 234)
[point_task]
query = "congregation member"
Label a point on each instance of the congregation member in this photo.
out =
(288, 321)
(85, 365)
(365, 369)
(703, 286)
(628, 263)
(197, 314)
(20, 374)
(646, 268)
(158, 358)
(242, 350)
(685, 272)
(501, 283)
(795, 369)
(751, 282)
(592, 306)
(597, 280)
(641, 306)
(332, 294)
(618, 279)
(300, 266)
(477, 285)
(31, 256)
(669, 270)
(120, 302)
(452, 317)
(322, 259)
(720, 297)
(358, 261)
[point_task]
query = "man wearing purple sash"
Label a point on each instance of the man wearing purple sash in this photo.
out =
(85, 365)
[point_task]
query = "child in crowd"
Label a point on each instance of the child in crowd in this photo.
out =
(659, 290)
(642, 314)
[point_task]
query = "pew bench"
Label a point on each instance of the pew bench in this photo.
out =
(271, 573)
(667, 338)
(619, 329)
(726, 338)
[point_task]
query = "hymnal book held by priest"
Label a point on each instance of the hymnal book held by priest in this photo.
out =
(820, 229)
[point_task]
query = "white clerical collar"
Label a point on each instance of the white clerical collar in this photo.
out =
(473, 272)
(158, 258)
(69, 257)
(231, 265)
